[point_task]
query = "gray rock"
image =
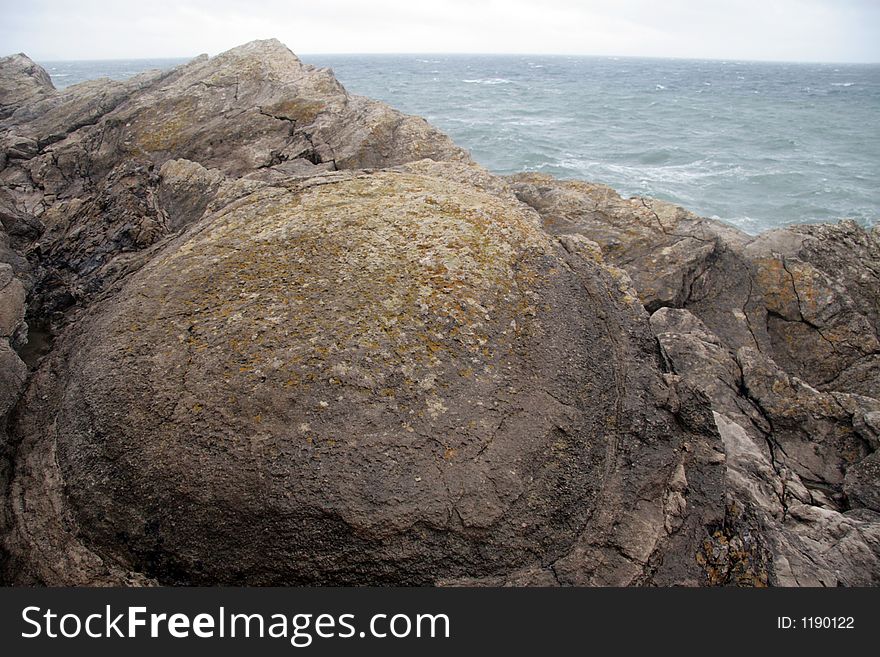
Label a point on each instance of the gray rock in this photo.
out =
(806, 296)
(21, 81)
(814, 431)
(643, 236)
(860, 484)
(55, 554)
(83, 179)
(799, 462)
(372, 378)
(828, 548)
(817, 330)
(6, 274)
(185, 190)
(13, 374)
(12, 302)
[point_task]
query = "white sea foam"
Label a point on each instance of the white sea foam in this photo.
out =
(842, 84)
(698, 170)
(745, 223)
(488, 81)
(539, 121)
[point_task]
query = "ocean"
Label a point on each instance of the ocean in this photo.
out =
(755, 144)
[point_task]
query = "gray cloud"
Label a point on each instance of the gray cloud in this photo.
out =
(805, 30)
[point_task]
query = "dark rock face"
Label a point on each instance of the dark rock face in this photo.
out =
(12, 331)
(302, 339)
(780, 331)
(13, 371)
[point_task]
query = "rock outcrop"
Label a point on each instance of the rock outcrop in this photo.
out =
(780, 331)
(82, 179)
(21, 82)
(296, 337)
(13, 371)
(807, 296)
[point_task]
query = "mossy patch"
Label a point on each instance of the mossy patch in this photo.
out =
(301, 110)
(368, 282)
(163, 129)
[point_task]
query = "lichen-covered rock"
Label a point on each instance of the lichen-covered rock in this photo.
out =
(84, 179)
(820, 289)
(374, 378)
(21, 81)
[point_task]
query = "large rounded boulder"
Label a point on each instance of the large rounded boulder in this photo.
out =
(375, 378)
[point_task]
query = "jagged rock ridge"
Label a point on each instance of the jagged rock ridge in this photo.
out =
(781, 332)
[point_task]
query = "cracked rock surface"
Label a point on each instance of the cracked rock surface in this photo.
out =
(781, 332)
(257, 330)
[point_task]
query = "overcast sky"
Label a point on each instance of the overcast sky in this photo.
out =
(792, 30)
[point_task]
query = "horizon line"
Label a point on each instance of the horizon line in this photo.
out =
(305, 55)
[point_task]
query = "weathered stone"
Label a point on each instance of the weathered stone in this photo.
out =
(185, 189)
(805, 295)
(6, 274)
(860, 484)
(816, 329)
(12, 377)
(254, 110)
(12, 302)
(19, 265)
(814, 431)
(828, 548)
(786, 445)
(21, 81)
(374, 378)
(663, 247)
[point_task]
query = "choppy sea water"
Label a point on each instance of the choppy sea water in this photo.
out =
(755, 144)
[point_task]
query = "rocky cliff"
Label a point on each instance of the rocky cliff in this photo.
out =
(257, 330)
